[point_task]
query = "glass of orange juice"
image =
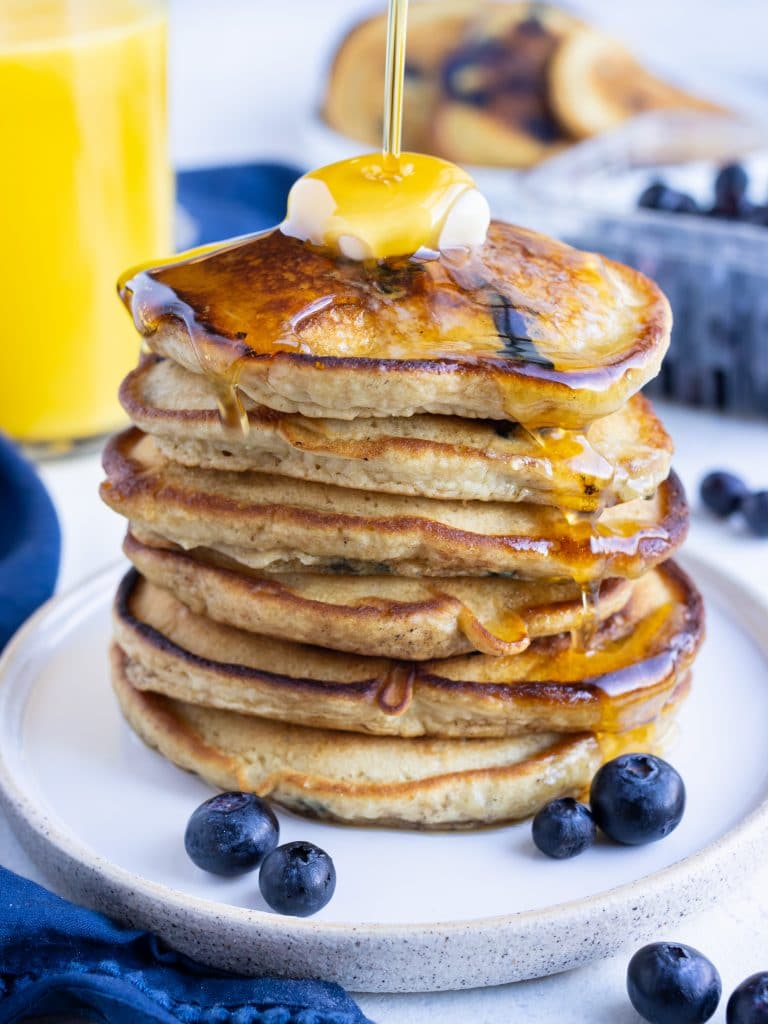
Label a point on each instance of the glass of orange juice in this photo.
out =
(85, 191)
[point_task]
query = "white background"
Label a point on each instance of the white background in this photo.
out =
(245, 79)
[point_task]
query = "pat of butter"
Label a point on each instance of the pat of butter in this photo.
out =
(374, 207)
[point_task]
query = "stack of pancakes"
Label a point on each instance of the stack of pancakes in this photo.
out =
(427, 583)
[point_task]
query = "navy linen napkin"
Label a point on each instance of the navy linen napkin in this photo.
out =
(30, 541)
(58, 958)
(223, 202)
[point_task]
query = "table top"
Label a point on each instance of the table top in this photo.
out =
(733, 934)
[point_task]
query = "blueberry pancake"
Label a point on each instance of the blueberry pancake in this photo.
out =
(279, 524)
(384, 616)
(352, 102)
(376, 780)
(634, 662)
(519, 328)
(623, 456)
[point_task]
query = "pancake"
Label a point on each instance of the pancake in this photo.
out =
(596, 84)
(632, 665)
(367, 780)
(385, 616)
(624, 456)
(275, 523)
(352, 103)
(521, 328)
(468, 65)
(494, 108)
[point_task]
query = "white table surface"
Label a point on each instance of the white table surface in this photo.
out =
(227, 59)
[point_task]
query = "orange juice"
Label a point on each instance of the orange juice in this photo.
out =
(85, 190)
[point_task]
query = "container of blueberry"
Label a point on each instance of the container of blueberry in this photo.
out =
(701, 231)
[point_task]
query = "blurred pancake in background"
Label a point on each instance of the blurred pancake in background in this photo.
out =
(495, 83)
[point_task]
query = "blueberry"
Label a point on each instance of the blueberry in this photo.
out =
(722, 493)
(563, 828)
(731, 184)
(231, 833)
(659, 196)
(669, 983)
(297, 879)
(637, 798)
(755, 511)
(652, 196)
(749, 1002)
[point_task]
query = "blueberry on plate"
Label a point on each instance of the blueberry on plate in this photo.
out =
(563, 828)
(722, 493)
(755, 511)
(297, 879)
(231, 833)
(637, 798)
(749, 1002)
(669, 983)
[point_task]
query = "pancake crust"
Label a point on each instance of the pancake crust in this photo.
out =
(632, 666)
(366, 780)
(522, 328)
(624, 456)
(274, 523)
(383, 616)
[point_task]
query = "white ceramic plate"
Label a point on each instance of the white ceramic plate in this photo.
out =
(104, 818)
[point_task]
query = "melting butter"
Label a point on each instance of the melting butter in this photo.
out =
(378, 206)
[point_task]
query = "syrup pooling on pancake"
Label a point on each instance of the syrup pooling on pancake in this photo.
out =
(516, 297)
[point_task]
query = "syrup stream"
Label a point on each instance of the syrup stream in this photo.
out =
(394, 79)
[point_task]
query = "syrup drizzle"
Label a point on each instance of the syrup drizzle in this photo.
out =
(394, 79)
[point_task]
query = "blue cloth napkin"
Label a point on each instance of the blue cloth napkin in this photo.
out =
(30, 541)
(58, 958)
(223, 202)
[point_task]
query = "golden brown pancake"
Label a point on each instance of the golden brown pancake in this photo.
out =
(522, 328)
(596, 84)
(277, 524)
(623, 456)
(375, 780)
(623, 679)
(385, 616)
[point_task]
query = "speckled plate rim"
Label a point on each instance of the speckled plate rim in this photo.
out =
(388, 958)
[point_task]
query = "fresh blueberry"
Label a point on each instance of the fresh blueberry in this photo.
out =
(755, 511)
(652, 196)
(669, 983)
(231, 833)
(297, 879)
(749, 1002)
(563, 828)
(722, 493)
(637, 798)
(659, 196)
(731, 184)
